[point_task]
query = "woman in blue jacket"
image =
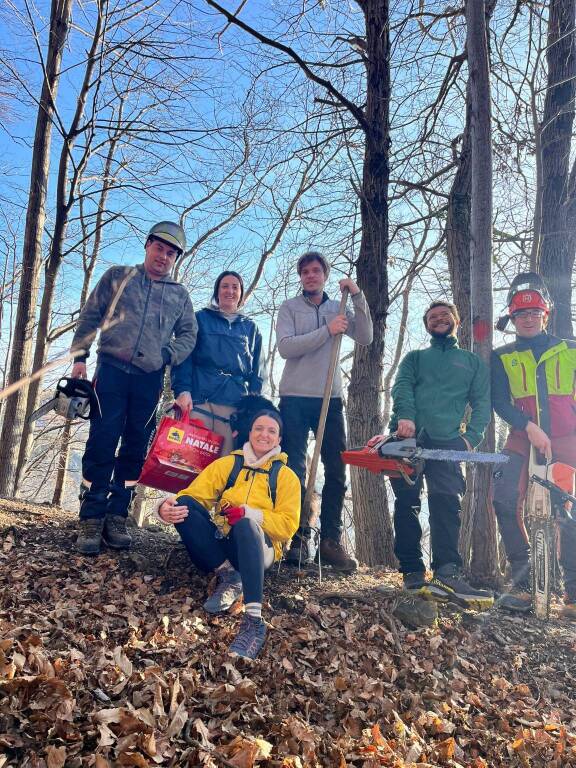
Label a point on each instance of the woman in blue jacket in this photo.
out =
(225, 364)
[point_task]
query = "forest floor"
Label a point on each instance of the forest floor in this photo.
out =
(111, 661)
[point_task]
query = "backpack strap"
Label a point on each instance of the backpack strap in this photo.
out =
(273, 479)
(236, 469)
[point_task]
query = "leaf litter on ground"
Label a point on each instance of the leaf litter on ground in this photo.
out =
(111, 661)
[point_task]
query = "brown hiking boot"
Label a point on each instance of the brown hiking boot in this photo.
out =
(115, 534)
(331, 552)
(90, 536)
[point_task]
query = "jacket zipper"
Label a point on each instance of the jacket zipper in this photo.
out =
(141, 329)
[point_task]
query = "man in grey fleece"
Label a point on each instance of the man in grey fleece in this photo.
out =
(146, 321)
(304, 330)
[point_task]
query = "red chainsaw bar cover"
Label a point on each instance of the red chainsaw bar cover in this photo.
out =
(372, 461)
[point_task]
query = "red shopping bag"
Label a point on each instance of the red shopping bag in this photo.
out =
(180, 450)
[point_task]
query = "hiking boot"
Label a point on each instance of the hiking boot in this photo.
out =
(518, 599)
(331, 552)
(449, 585)
(115, 534)
(299, 552)
(250, 639)
(414, 581)
(90, 536)
(228, 589)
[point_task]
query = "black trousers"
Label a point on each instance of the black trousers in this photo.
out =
(300, 415)
(446, 486)
(247, 547)
(127, 403)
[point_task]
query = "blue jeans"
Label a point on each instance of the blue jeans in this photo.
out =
(246, 547)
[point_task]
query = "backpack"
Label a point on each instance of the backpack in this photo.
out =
(272, 474)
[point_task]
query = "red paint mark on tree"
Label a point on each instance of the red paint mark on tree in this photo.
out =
(480, 330)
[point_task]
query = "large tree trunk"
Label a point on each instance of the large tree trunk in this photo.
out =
(484, 548)
(458, 233)
(20, 361)
(373, 530)
(558, 227)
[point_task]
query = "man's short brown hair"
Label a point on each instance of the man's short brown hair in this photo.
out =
(309, 257)
(452, 307)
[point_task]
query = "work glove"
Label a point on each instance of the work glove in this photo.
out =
(233, 514)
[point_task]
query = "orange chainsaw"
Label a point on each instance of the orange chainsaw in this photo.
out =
(405, 458)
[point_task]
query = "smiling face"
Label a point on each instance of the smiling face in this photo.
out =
(159, 258)
(529, 323)
(264, 435)
(440, 322)
(313, 278)
(229, 293)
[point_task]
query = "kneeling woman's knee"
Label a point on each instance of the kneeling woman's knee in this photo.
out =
(246, 528)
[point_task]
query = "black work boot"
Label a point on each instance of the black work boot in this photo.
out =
(115, 534)
(119, 500)
(90, 536)
(299, 552)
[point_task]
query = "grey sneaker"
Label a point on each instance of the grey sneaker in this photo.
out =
(414, 581)
(228, 590)
(115, 534)
(449, 585)
(250, 639)
(90, 536)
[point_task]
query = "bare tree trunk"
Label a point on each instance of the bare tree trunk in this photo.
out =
(484, 548)
(558, 226)
(65, 197)
(373, 528)
(60, 484)
(20, 362)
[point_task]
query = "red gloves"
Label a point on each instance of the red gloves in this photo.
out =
(233, 514)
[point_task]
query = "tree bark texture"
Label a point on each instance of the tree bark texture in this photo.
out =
(20, 361)
(558, 237)
(373, 529)
(484, 547)
(458, 232)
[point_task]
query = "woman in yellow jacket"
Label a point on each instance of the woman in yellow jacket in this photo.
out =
(249, 524)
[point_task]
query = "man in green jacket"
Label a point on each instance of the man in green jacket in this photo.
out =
(432, 390)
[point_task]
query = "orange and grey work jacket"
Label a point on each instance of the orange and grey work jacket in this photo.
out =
(540, 377)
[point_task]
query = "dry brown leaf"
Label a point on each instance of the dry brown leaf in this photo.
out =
(178, 721)
(55, 757)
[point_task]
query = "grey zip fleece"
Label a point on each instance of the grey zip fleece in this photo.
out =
(304, 341)
(153, 324)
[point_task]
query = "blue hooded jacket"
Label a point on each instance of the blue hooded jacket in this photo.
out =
(226, 361)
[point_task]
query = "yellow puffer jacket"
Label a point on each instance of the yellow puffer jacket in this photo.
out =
(280, 521)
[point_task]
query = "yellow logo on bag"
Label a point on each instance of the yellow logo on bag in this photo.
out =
(175, 435)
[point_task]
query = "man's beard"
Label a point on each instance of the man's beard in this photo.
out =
(443, 334)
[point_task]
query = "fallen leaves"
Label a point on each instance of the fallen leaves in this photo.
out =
(102, 666)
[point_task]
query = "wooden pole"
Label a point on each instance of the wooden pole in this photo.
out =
(336, 342)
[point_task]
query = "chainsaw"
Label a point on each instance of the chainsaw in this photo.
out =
(405, 458)
(73, 399)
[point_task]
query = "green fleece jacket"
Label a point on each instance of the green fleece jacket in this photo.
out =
(433, 387)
